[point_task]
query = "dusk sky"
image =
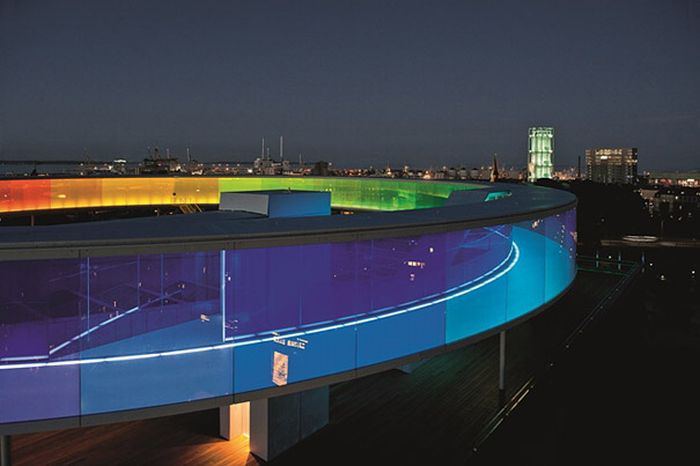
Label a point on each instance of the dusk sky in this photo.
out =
(353, 82)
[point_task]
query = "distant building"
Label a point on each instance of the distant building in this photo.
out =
(154, 164)
(540, 150)
(320, 168)
(612, 165)
(264, 165)
(649, 197)
(689, 179)
(677, 203)
(566, 174)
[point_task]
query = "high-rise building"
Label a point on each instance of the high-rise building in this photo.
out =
(612, 165)
(540, 149)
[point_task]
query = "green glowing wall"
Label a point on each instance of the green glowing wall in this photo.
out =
(360, 193)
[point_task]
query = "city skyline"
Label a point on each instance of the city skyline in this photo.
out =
(357, 85)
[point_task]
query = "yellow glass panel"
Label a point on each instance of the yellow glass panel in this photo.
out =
(75, 193)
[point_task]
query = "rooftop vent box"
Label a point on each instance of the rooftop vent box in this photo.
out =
(278, 203)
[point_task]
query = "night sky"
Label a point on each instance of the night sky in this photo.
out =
(353, 82)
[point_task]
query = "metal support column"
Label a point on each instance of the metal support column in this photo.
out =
(222, 292)
(502, 365)
(5, 457)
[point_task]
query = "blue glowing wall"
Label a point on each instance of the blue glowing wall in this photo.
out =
(96, 335)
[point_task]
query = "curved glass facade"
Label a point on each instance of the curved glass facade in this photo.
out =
(103, 334)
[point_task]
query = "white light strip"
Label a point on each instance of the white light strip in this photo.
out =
(90, 330)
(23, 358)
(514, 251)
(105, 323)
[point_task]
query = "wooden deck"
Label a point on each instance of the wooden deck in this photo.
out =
(431, 416)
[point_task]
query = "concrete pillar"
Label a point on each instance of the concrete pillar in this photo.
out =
(277, 424)
(5, 456)
(502, 362)
(234, 420)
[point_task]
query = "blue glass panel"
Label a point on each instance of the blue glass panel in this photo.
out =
(41, 304)
(408, 309)
(400, 335)
(558, 256)
(176, 307)
(526, 279)
(478, 262)
(131, 384)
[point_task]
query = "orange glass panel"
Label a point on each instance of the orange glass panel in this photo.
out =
(196, 191)
(76, 193)
(137, 191)
(20, 195)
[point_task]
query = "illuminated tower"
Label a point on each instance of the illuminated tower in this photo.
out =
(540, 149)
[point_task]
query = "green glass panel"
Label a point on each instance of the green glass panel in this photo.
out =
(360, 193)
